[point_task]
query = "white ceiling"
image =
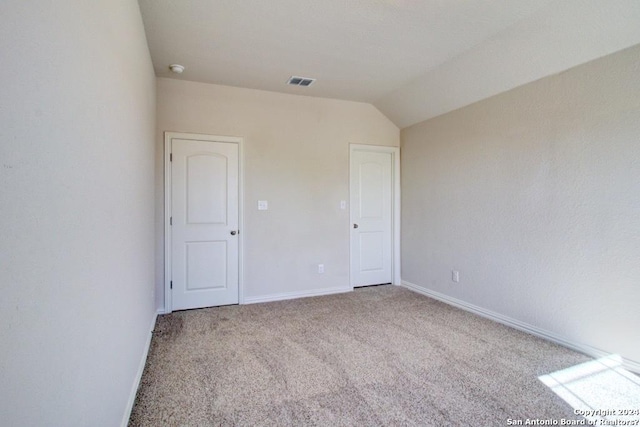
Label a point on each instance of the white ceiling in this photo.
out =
(411, 59)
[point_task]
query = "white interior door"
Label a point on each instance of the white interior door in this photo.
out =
(371, 192)
(204, 223)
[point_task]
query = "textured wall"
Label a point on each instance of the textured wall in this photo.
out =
(77, 107)
(296, 156)
(534, 195)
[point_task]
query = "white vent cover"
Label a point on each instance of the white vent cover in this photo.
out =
(300, 81)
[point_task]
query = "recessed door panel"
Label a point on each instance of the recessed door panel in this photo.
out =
(206, 265)
(371, 251)
(371, 190)
(206, 189)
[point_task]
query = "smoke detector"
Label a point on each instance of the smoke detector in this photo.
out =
(176, 68)
(300, 81)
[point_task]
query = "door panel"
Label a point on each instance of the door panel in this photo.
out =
(204, 210)
(371, 251)
(371, 190)
(371, 217)
(206, 189)
(206, 265)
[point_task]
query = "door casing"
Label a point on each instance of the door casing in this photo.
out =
(395, 206)
(168, 136)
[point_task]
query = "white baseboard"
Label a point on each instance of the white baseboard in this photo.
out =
(517, 324)
(297, 294)
(138, 378)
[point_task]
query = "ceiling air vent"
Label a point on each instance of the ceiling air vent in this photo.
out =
(300, 81)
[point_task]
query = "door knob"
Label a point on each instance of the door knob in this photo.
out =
(233, 232)
(355, 225)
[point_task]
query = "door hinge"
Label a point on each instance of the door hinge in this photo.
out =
(171, 157)
(170, 220)
(171, 284)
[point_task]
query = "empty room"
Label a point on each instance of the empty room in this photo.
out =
(351, 213)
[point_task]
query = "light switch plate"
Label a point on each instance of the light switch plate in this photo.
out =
(455, 276)
(343, 204)
(263, 205)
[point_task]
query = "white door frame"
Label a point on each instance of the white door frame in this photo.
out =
(395, 210)
(168, 136)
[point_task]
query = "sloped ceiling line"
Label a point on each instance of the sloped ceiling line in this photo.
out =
(372, 50)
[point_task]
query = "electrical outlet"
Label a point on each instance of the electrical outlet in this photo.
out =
(320, 268)
(455, 276)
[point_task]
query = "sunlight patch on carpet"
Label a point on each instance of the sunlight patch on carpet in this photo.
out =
(600, 390)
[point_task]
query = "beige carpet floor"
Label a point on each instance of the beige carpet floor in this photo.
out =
(378, 356)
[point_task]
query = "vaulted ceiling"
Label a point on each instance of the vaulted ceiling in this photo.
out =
(412, 59)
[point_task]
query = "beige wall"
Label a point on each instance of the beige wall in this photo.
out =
(77, 107)
(534, 195)
(296, 152)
